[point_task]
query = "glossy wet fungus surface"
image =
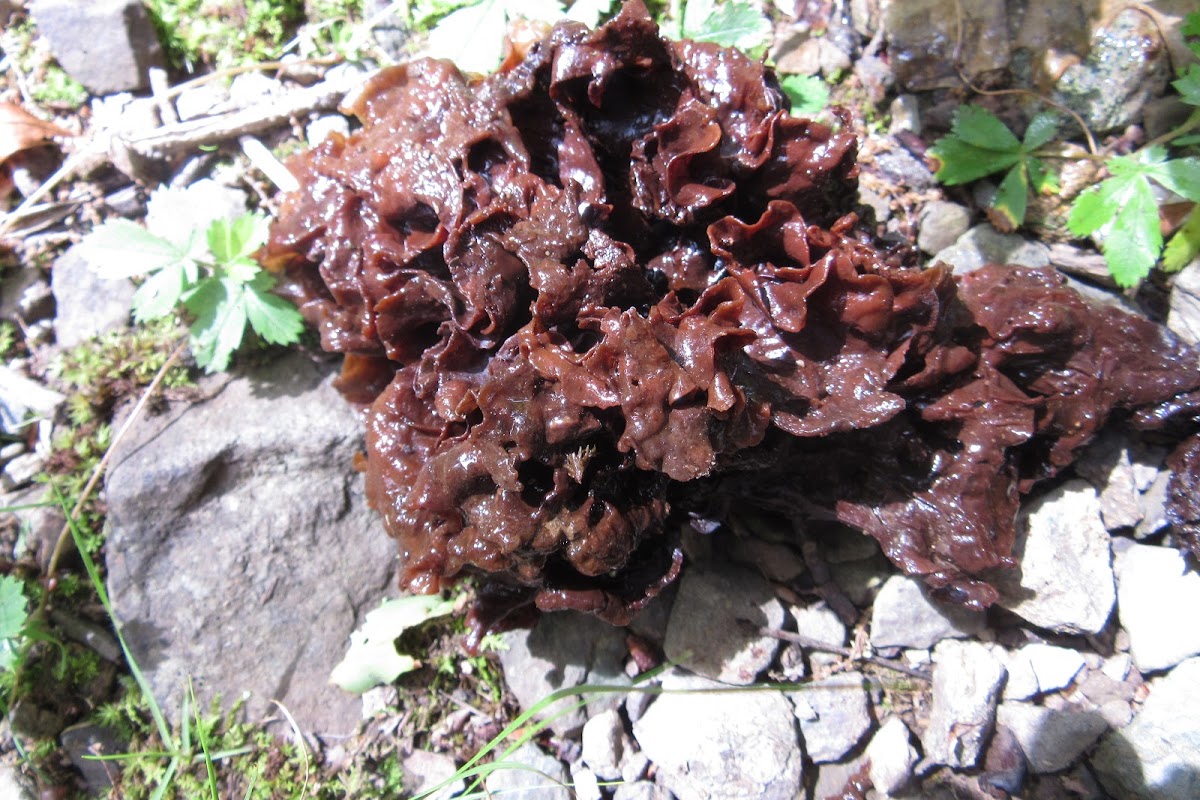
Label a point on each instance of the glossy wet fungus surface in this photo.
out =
(618, 284)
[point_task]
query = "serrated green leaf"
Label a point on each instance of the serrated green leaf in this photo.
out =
(1143, 162)
(1134, 242)
(1042, 129)
(13, 607)
(241, 270)
(229, 241)
(983, 129)
(220, 310)
(1096, 207)
(1191, 24)
(1184, 245)
(808, 94)
(1188, 85)
(372, 659)
(273, 318)
(1012, 196)
(1180, 175)
(733, 24)
(158, 294)
(123, 249)
(695, 14)
(962, 162)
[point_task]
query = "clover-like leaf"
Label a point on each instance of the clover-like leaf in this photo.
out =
(808, 93)
(373, 659)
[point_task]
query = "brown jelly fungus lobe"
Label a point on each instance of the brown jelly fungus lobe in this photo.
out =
(618, 283)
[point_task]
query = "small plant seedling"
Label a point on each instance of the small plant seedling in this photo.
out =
(979, 145)
(211, 273)
(731, 24)
(1124, 211)
(14, 616)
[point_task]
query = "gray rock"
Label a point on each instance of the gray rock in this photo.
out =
(424, 770)
(1124, 69)
(18, 291)
(563, 650)
(1108, 464)
(942, 224)
(641, 790)
(584, 783)
(862, 580)
(604, 744)
(88, 305)
(1152, 581)
(925, 45)
(14, 785)
(320, 128)
(906, 616)
(820, 624)
(1040, 668)
(1184, 316)
(85, 740)
(833, 777)
(715, 745)
(523, 784)
(775, 560)
(1051, 738)
(983, 244)
(207, 99)
(20, 471)
(892, 756)
(1154, 507)
(904, 169)
(241, 549)
(1064, 582)
(834, 715)
(23, 400)
(905, 111)
(704, 634)
(967, 680)
(252, 88)
(107, 45)
(1157, 756)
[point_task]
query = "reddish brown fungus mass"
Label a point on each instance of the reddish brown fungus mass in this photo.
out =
(618, 282)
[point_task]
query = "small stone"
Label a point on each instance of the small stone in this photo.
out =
(564, 649)
(23, 400)
(905, 111)
(584, 783)
(604, 744)
(16, 286)
(833, 714)
(983, 244)
(252, 88)
(1004, 763)
(1151, 582)
(820, 624)
(107, 45)
(906, 616)
(10, 451)
(1154, 507)
(1052, 739)
(902, 168)
(379, 700)
(544, 781)
(775, 560)
(967, 679)
(635, 765)
(1117, 667)
(14, 785)
(1157, 756)
(832, 778)
(320, 128)
(1064, 582)
(37, 300)
(711, 745)
(862, 580)
(204, 100)
(88, 305)
(641, 790)
(1109, 466)
(1040, 668)
(942, 224)
(705, 634)
(424, 770)
(20, 471)
(1184, 316)
(87, 739)
(892, 756)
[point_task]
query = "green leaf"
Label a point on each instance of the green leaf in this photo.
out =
(158, 294)
(732, 24)
(1184, 246)
(273, 318)
(229, 241)
(220, 309)
(809, 94)
(1135, 240)
(241, 270)
(473, 37)
(372, 659)
(1013, 196)
(1188, 85)
(962, 162)
(1042, 129)
(1183, 141)
(13, 607)
(1043, 180)
(123, 249)
(983, 129)
(589, 11)
(1096, 207)
(1182, 176)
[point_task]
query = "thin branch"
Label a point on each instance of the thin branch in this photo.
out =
(813, 644)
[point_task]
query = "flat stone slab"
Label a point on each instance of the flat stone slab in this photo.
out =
(241, 552)
(1155, 585)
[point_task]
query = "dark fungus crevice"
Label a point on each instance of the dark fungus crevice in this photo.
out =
(618, 281)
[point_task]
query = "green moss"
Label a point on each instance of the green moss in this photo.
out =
(224, 33)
